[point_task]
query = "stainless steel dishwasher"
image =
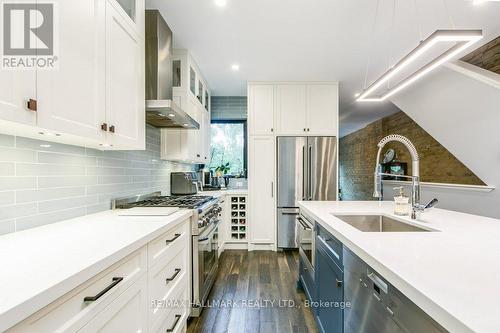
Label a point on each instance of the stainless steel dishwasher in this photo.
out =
(376, 306)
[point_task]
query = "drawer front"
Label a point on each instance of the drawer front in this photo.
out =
(165, 280)
(164, 245)
(333, 245)
(307, 279)
(71, 312)
(176, 312)
(126, 314)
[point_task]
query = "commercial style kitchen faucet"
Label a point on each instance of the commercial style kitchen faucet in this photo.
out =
(416, 206)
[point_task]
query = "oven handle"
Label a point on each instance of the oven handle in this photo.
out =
(304, 224)
(209, 233)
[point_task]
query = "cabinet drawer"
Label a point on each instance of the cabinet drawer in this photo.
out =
(164, 282)
(176, 311)
(71, 312)
(332, 245)
(126, 314)
(307, 280)
(166, 244)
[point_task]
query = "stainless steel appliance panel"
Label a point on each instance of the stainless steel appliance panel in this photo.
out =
(287, 227)
(184, 183)
(291, 154)
(306, 240)
(322, 168)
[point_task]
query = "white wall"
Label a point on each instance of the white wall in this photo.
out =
(459, 105)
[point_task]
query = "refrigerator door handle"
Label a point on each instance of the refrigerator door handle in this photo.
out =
(304, 172)
(309, 172)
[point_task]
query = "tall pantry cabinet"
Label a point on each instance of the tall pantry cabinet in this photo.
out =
(280, 109)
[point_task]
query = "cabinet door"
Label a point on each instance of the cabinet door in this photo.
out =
(262, 223)
(261, 109)
(125, 99)
(16, 88)
(71, 98)
(291, 109)
(128, 313)
(207, 133)
(322, 109)
(190, 140)
(329, 287)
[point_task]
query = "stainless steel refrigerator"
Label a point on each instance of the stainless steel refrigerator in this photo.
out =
(307, 170)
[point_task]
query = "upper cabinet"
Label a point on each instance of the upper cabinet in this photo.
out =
(95, 96)
(261, 104)
(293, 108)
(192, 94)
(322, 109)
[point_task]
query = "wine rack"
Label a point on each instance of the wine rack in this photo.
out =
(238, 217)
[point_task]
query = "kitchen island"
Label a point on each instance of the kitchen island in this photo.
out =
(449, 272)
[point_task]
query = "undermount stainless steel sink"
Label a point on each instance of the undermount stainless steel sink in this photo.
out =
(378, 223)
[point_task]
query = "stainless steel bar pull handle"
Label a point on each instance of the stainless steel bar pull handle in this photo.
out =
(177, 318)
(303, 224)
(172, 278)
(115, 280)
(272, 189)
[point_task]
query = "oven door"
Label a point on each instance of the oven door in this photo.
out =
(306, 240)
(206, 247)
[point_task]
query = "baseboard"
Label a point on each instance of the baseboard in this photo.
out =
(235, 246)
(261, 247)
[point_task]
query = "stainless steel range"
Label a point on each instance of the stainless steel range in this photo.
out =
(204, 229)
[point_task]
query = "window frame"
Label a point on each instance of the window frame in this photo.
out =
(245, 142)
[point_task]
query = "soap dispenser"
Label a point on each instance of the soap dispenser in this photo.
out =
(401, 202)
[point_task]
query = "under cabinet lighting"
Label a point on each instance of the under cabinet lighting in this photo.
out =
(462, 38)
(105, 145)
(45, 146)
(171, 115)
(185, 125)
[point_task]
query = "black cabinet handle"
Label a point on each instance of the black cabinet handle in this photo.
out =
(173, 238)
(112, 128)
(116, 280)
(177, 318)
(104, 126)
(32, 105)
(172, 278)
(339, 283)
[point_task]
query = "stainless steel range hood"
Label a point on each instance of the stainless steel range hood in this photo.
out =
(161, 110)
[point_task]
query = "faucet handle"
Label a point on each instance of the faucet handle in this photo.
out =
(421, 208)
(432, 203)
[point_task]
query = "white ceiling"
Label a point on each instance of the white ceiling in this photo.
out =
(317, 40)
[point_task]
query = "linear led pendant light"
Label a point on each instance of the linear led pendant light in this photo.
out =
(462, 38)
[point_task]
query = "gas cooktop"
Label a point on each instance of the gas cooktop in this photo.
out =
(181, 201)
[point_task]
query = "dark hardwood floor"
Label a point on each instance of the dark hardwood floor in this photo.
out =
(260, 276)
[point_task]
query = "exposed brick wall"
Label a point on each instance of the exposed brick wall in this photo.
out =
(358, 152)
(486, 57)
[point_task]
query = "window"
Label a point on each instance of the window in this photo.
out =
(229, 145)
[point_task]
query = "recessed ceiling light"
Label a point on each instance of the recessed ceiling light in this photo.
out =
(235, 67)
(45, 146)
(357, 94)
(221, 3)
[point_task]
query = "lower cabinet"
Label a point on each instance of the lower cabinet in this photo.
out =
(329, 290)
(127, 313)
(147, 291)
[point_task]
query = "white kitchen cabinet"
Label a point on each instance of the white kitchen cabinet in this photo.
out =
(76, 108)
(190, 93)
(127, 314)
(291, 109)
(16, 87)
(125, 96)
(95, 96)
(323, 109)
(261, 105)
(261, 187)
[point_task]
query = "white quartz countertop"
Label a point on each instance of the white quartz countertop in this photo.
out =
(236, 191)
(452, 274)
(41, 264)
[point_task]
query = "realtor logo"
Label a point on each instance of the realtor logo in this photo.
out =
(28, 36)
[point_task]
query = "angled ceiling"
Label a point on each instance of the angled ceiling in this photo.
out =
(317, 40)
